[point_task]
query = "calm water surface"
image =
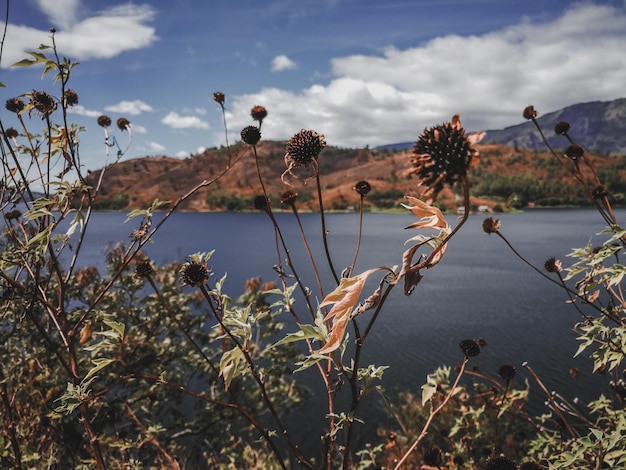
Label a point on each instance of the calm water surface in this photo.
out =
(479, 290)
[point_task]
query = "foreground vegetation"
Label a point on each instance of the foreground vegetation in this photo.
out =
(146, 366)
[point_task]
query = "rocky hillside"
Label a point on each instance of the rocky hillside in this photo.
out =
(599, 126)
(507, 176)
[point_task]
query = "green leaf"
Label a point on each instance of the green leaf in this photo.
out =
(232, 364)
(99, 364)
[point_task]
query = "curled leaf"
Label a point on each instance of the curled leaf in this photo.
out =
(430, 216)
(343, 298)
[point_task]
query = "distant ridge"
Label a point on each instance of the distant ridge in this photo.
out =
(599, 126)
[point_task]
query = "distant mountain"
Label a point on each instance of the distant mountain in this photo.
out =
(599, 126)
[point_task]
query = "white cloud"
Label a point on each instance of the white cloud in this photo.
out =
(82, 111)
(105, 34)
(182, 154)
(133, 108)
(282, 62)
(488, 79)
(176, 121)
(155, 147)
(62, 13)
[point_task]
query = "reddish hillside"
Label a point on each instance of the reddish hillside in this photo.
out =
(136, 183)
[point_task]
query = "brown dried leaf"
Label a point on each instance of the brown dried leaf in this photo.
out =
(343, 298)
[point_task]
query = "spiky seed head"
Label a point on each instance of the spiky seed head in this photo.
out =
(443, 155)
(251, 135)
(193, 274)
(304, 147)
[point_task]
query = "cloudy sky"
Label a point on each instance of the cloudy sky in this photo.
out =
(362, 72)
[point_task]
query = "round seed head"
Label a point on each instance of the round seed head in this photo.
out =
(362, 188)
(193, 274)
(470, 347)
(15, 105)
(104, 121)
(251, 135)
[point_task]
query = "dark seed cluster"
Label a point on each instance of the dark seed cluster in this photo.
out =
(470, 347)
(251, 135)
(43, 103)
(193, 274)
(304, 146)
(442, 155)
(362, 188)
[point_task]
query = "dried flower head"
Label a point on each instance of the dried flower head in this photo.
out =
(574, 152)
(260, 203)
(104, 121)
(219, 97)
(500, 463)
(11, 133)
(193, 274)
(561, 128)
(13, 215)
(491, 225)
(258, 113)
(43, 103)
(507, 372)
(123, 124)
(443, 154)
(530, 113)
(70, 97)
(251, 135)
(289, 197)
(362, 188)
(143, 269)
(303, 149)
(553, 265)
(470, 347)
(15, 105)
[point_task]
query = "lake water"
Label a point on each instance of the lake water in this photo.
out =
(479, 290)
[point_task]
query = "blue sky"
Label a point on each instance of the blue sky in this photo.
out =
(362, 72)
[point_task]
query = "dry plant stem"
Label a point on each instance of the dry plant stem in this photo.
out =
(278, 232)
(608, 218)
(560, 284)
(257, 378)
(136, 247)
(550, 398)
(171, 461)
(323, 223)
(431, 416)
(10, 424)
(358, 240)
(308, 250)
(232, 405)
